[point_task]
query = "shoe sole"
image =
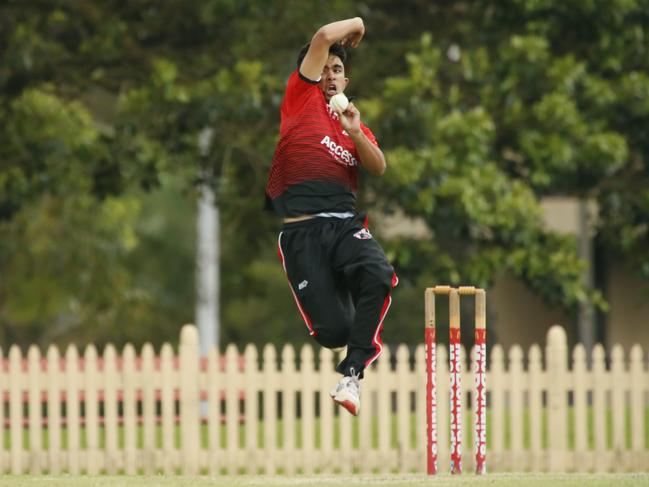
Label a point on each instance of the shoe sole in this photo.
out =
(348, 405)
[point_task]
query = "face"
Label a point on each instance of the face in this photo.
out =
(333, 77)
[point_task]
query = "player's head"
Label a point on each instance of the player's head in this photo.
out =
(333, 78)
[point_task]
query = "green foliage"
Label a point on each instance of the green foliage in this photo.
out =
(113, 113)
(223, 103)
(522, 118)
(68, 254)
(47, 143)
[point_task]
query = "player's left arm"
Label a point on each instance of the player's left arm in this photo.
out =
(371, 155)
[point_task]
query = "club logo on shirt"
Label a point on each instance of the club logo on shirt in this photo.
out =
(363, 234)
(338, 152)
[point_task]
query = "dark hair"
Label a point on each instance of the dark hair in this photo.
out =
(336, 49)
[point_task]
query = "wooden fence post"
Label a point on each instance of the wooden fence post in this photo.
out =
(535, 374)
(93, 382)
(35, 411)
(420, 408)
(129, 409)
(250, 380)
(517, 382)
(189, 399)
(215, 385)
(600, 378)
(270, 408)
(618, 391)
(148, 409)
(16, 409)
(637, 407)
(289, 410)
(496, 385)
(72, 409)
(557, 373)
(4, 378)
(580, 395)
(53, 410)
(232, 391)
(403, 386)
(112, 453)
(326, 378)
(307, 378)
(168, 409)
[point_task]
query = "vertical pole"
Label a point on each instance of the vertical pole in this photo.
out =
(480, 433)
(586, 319)
(455, 390)
(207, 270)
(431, 387)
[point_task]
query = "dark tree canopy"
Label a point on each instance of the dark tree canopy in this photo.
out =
(481, 107)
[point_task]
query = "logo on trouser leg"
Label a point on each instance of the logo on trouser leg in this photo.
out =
(363, 234)
(302, 285)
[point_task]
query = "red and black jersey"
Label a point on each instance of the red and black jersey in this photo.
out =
(315, 166)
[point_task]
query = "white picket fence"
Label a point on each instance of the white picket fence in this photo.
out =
(245, 413)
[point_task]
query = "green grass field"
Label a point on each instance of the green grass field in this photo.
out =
(504, 480)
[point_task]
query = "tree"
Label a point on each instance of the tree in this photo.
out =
(501, 104)
(544, 98)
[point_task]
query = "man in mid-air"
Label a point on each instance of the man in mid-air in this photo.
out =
(339, 275)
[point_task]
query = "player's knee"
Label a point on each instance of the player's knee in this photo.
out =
(330, 337)
(381, 276)
(388, 276)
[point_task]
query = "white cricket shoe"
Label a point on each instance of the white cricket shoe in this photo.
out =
(347, 393)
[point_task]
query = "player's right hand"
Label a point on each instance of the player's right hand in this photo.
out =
(354, 38)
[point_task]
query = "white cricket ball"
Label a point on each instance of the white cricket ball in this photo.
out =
(339, 102)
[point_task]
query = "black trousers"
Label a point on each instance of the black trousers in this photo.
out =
(341, 281)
